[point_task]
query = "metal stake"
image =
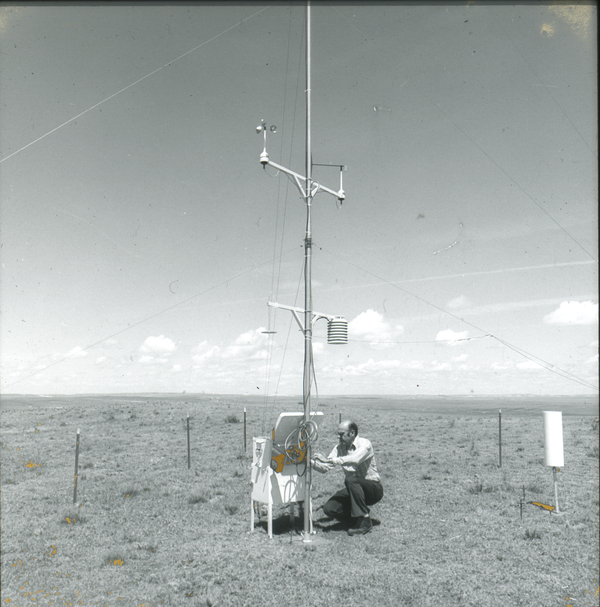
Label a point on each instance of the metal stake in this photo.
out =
(556, 508)
(76, 467)
(500, 437)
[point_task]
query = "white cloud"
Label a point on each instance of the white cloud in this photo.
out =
(318, 347)
(574, 313)
(459, 359)
(438, 366)
(371, 368)
(246, 345)
(250, 345)
(458, 302)
(158, 344)
(100, 360)
(76, 352)
(204, 352)
(452, 337)
(370, 326)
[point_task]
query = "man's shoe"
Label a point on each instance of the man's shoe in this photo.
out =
(364, 526)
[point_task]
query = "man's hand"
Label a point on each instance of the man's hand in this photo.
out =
(321, 463)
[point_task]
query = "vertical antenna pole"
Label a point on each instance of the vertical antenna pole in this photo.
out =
(307, 286)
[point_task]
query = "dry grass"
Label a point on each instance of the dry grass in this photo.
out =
(148, 531)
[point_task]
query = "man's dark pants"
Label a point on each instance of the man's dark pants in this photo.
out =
(354, 499)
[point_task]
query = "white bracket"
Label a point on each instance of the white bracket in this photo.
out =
(295, 311)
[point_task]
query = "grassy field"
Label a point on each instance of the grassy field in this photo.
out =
(148, 531)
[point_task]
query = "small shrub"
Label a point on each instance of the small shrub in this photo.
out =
(534, 488)
(232, 419)
(198, 498)
(476, 488)
(593, 452)
(31, 464)
(130, 491)
(533, 535)
(232, 508)
(114, 558)
(426, 477)
(72, 517)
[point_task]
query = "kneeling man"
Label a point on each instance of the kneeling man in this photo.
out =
(362, 484)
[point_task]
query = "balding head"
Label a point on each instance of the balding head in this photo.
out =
(347, 432)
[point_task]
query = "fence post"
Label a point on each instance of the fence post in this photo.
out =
(76, 467)
(188, 440)
(244, 429)
(500, 436)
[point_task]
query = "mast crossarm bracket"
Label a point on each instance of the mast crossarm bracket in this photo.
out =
(296, 311)
(300, 179)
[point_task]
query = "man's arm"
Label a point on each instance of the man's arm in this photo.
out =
(358, 456)
(321, 466)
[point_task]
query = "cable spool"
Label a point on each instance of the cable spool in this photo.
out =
(337, 331)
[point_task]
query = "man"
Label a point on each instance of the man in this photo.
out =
(362, 483)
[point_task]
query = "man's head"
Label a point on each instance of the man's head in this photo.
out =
(347, 431)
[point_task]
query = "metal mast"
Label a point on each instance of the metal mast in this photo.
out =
(308, 189)
(307, 285)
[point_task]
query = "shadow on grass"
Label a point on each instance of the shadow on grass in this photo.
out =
(328, 525)
(282, 525)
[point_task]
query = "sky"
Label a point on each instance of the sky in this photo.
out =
(141, 238)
